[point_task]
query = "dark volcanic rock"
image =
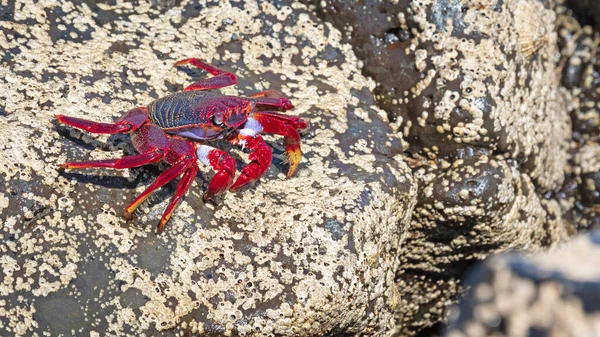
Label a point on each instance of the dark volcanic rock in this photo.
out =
(586, 11)
(581, 80)
(309, 256)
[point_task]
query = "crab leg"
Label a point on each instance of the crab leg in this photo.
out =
(272, 99)
(182, 187)
(119, 163)
(221, 162)
(268, 93)
(95, 127)
(150, 140)
(286, 126)
(260, 157)
(221, 77)
(281, 104)
(130, 121)
(165, 177)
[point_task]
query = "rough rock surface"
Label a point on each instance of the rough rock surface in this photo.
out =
(555, 294)
(580, 62)
(308, 256)
(474, 87)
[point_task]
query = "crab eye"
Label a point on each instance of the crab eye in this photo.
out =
(218, 118)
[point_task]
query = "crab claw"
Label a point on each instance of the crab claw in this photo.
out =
(260, 157)
(291, 140)
(221, 162)
(288, 127)
(292, 150)
(222, 180)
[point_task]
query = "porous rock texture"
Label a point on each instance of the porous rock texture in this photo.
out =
(313, 255)
(474, 88)
(552, 294)
(580, 62)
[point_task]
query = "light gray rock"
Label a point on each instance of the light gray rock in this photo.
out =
(313, 255)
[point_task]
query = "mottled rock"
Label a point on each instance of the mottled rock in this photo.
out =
(553, 294)
(468, 77)
(475, 208)
(474, 88)
(313, 255)
(581, 86)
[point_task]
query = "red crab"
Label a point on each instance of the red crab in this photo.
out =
(176, 129)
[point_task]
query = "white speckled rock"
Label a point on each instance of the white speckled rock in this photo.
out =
(312, 255)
